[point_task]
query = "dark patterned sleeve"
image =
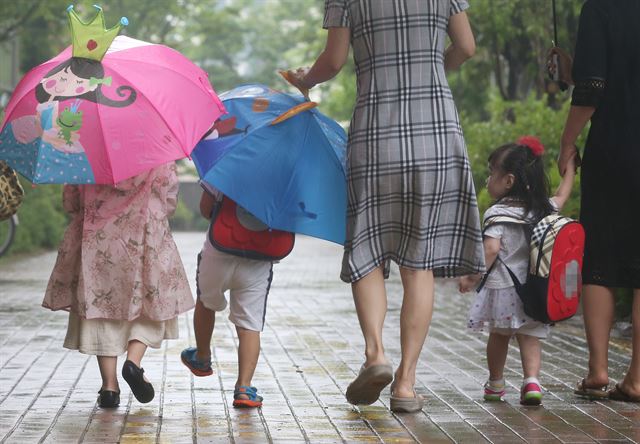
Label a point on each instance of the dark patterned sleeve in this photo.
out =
(457, 6)
(336, 14)
(590, 61)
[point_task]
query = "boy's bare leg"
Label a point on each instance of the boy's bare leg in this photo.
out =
(248, 354)
(108, 373)
(203, 323)
(530, 354)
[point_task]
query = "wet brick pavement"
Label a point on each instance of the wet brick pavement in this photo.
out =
(311, 350)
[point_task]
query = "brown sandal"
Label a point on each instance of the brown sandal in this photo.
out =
(598, 392)
(619, 394)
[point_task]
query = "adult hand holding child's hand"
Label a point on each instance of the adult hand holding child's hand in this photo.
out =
(569, 158)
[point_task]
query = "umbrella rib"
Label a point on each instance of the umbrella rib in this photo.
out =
(106, 148)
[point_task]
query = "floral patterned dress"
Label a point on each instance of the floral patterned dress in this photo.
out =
(118, 265)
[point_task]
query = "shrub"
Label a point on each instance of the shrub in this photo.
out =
(508, 121)
(42, 219)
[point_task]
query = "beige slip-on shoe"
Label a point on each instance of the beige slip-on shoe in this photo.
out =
(406, 405)
(366, 388)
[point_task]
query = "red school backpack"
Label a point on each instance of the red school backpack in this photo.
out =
(235, 231)
(552, 290)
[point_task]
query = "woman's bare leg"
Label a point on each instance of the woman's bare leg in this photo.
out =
(415, 319)
(598, 306)
(631, 381)
(370, 299)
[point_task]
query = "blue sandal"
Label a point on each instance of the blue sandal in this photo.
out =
(254, 400)
(190, 359)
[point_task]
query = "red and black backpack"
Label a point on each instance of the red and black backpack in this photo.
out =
(235, 231)
(552, 290)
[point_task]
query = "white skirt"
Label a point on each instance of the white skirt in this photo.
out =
(501, 311)
(110, 337)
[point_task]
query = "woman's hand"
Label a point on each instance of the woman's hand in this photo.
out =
(296, 78)
(568, 158)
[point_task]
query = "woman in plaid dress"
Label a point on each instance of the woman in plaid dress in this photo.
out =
(411, 194)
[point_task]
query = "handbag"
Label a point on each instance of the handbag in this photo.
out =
(559, 62)
(11, 192)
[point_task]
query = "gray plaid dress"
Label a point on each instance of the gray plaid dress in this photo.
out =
(411, 193)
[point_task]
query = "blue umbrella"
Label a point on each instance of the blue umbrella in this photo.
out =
(279, 159)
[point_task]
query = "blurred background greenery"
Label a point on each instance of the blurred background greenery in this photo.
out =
(501, 93)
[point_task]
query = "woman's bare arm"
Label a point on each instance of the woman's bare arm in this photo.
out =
(463, 45)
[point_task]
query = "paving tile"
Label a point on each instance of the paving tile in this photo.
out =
(311, 349)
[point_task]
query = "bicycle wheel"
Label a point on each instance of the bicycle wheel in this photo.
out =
(7, 232)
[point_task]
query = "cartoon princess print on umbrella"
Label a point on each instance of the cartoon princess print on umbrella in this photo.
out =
(70, 119)
(81, 78)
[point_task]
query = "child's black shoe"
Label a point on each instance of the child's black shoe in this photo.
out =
(108, 399)
(142, 390)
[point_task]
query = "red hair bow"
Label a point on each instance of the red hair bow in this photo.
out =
(533, 143)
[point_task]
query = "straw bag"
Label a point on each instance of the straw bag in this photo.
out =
(11, 192)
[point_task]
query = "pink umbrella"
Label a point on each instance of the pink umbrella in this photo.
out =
(77, 120)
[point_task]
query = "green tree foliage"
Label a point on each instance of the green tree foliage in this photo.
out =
(42, 219)
(501, 93)
(513, 38)
(531, 116)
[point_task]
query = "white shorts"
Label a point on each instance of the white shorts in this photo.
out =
(247, 280)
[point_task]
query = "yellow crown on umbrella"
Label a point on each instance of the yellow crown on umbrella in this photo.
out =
(91, 40)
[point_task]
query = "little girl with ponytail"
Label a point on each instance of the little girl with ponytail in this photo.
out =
(520, 187)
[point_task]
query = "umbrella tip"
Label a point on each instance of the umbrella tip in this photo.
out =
(124, 21)
(69, 8)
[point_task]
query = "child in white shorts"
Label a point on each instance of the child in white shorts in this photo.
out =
(248, 282)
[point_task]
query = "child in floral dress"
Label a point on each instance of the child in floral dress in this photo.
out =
(119, 275)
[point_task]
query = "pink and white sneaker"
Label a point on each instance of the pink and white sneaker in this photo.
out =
(494, 390)
(531, 392)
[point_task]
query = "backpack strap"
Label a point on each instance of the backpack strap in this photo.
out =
(505, 219)
(501, 219)
(514, 278)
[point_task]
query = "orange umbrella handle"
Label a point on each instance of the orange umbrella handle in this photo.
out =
(293, 111)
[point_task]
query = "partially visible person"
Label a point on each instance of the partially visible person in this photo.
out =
(247, 280)
(411, 193)
(606, 73)
(520, 187)
(119, 275)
